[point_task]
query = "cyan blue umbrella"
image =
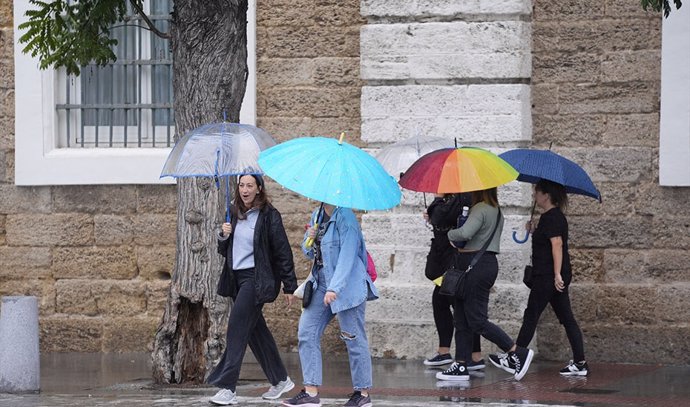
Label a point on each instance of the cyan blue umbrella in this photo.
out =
(534, 165)
(218, 150)
(331, 171)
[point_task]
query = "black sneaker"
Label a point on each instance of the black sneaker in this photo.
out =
(456, 372)
(303, 399)
(501, 361)
(521, 358)
(478, 365)
(358, 400)
(575, 369)
(439, 359)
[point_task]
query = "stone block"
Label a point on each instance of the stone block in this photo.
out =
(6, 42)
(471, 114)
(564, 67)
(6, 97)
(446, 50)
(407, 267)
(448, 8)
(667, 266)
(307, 42)
(155, 262)
(618, 304)
(57, 229)
(545, 99)
(71, 334)
(25, 262)
(336, 72)
(515, 194)
(101, 297)
(308, 13)
(398, 302)
(632, 130)
(6, 14)
(624, 9)
(507, 303)
(617, 164)
(586, 36)
(610, 231)
(390, 229)
(14, 199)
(324, 102)
(285, 72)
(43, 289)
(154, 229)
(113, 229)
(568, 10)
(654, 199)
(670, 232)
(587, 265)
(672, 303)
(156, 297)
(129, 334)
(625, 266)
(511, 264)
(156, 198)
(7, 132)
(625, 66)
(401, 339)
(568, 130)
(616, 97)
(618, 199)
(7, 70)
(19, 354)
(112, 263)
(116, 199)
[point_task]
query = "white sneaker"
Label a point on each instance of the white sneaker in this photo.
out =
(276, 391)
(224, 397)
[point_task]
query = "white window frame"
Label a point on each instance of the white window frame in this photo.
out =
(674, 125)
(39, 160)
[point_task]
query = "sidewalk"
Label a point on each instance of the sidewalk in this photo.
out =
(124, 380)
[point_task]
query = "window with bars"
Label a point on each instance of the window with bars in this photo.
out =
(128, 103)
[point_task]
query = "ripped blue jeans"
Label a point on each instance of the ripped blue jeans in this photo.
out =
(312, 324)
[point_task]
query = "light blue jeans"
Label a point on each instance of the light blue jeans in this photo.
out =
(312, 324)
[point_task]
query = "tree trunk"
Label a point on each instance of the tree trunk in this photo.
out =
(209, 45)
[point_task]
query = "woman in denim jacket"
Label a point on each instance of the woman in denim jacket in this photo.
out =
(342, 287)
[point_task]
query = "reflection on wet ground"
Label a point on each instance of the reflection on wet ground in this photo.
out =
(78, 379)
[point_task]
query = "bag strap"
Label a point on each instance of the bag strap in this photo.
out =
(480, 253)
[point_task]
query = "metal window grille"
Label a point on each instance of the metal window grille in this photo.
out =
(127, 103)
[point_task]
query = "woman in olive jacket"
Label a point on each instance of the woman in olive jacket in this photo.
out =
(257, 259)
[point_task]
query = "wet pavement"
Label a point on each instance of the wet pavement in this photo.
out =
(124, 380)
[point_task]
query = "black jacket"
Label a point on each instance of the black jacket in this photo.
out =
(443, 216)
(273, 262)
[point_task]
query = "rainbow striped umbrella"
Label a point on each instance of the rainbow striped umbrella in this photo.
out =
(454, 170)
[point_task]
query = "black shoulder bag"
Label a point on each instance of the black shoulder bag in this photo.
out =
(453, 283)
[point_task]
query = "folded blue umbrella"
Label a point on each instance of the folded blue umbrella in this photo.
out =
(535, 165)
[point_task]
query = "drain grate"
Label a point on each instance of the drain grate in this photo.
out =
(579, 390)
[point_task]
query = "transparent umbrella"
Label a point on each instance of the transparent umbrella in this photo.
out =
(398, 157)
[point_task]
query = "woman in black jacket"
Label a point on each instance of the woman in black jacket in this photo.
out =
(257, 259)
(443, 215)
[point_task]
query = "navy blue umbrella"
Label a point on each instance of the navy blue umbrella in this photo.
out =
(534, 165)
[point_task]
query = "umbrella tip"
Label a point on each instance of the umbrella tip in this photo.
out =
(342, 136)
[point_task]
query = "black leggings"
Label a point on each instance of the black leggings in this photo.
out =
(544, 292)
(443, 318)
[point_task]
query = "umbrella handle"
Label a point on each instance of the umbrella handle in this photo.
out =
(515, 238)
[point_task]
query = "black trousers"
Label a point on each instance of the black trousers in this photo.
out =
(247, 326)
(472, 311)
(544, 292)
(443, 318)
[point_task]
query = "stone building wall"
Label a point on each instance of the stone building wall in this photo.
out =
(595, 90)
(99, 257)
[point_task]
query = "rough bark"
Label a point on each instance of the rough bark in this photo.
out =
(209, 78)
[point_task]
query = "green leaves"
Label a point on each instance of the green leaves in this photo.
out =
(72, 34)
(658, 5)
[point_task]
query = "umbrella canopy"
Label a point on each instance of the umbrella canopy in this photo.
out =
(331, 171)
(398, 157)
(454, 170)
(218, 149)
(534, 165)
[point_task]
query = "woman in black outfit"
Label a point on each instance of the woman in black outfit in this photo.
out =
(257, 259)
(443, 215)
(551, 276)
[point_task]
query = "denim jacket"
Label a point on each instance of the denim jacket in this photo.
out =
(344, 260)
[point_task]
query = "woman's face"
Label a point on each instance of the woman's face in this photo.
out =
(248, 190)
(542, 199)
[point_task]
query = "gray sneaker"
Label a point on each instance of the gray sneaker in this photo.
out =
(303, 399)
(224, 397)
(276, 391)
(358, 400)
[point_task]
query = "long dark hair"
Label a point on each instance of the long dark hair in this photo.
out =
(238, 209)
(489, 196)
(555, 191)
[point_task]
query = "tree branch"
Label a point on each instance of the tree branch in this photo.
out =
(148, 22)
